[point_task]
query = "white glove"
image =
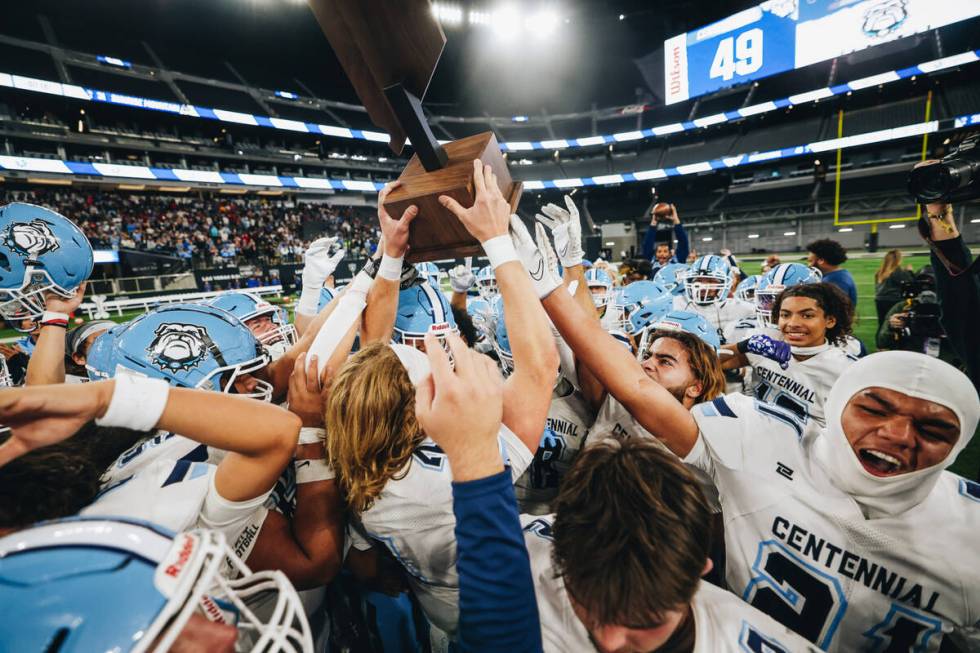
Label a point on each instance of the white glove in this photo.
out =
(317, 266)
(537, 258)
(566, 229)
(461, 277)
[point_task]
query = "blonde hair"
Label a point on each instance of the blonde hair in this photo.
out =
(889, 264)
(371, 425)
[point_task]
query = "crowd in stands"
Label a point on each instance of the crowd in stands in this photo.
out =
(208, 230)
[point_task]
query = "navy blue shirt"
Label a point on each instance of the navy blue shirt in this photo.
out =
(843, 280)
(497, 607)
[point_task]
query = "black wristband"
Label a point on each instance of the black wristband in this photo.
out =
(743, 346)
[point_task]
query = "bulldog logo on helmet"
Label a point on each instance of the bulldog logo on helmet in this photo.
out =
(178, 347)
(31, 239)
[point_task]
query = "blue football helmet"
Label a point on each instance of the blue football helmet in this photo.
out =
(486, 283)
(428, 271)
(190, 346)
(648, 312)
(775, 281)
(100, 359)
(106, 584)
(745, 290)
(480, 312)
(326, 296)
(600, 285)
(708, 280)
(500, 337)
(687, 322)
(421, 309)
(671, 277)
(631, 297)
(40, 252)
(267, 322)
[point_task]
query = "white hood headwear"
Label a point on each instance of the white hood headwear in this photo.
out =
(913, 374)
(414, 361)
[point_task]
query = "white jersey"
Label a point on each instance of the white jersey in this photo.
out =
(722, 316)
(803, 386)
(414, 519)
(569, 419)
(179, 494)
(802, 551)
(614, 421)
(722, 622)
(737, 332)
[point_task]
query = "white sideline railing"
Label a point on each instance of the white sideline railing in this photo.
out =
(99, 307)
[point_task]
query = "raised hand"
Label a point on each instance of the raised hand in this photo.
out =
(394, 232)
(541, 266)
(566, 229)
(490, 214)
(460, 406)
(305, 394)
(775, 350)
(43, 415)
(318, 264)
(461, 277)
(58, 304)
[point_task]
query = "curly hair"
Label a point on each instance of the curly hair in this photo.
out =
(632, 532)
(371, 425)
(829, 250)
(830, 299)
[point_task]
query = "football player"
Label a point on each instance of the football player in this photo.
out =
(797, 372)
(395, 480)
(706, 288)
(268, 323)
(624, 504)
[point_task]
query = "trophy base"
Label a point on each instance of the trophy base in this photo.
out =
(436, 233)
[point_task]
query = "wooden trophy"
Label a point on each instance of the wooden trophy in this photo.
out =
(389, 50)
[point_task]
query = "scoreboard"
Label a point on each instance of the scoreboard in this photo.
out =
(781, 35)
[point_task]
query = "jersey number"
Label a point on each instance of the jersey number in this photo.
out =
(766, 393)
(799, 596)
(903, 631)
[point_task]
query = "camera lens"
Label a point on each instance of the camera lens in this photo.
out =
(931, 183)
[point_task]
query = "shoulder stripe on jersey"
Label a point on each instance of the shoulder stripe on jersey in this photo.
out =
(438, 314)
(785, 417)
(970, 489)
(723, 408)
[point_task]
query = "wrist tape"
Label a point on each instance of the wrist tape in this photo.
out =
(499, 250)
(390, 268)
(137, 403)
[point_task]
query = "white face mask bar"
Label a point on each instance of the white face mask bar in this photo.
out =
(27, 302)
(262, 391)
(705, 290)
(190, 575)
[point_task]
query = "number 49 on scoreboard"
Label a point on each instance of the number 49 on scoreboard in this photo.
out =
(737, 55)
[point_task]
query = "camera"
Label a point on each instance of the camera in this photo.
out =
(953, 179)
(922, 312)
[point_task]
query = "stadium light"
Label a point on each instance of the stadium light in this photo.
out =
(506, 21)
(543, 22)
(448, 14)
(896, 226)
(789, 233)
(707, 239)
(845, 230)
(753, 236)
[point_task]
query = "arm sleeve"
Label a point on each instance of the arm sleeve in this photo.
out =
(959, 296)
(497, 611)
(649, 241)
(683, 244)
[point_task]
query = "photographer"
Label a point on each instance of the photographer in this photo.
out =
(665, 226)
(957, 273)
(913, 324)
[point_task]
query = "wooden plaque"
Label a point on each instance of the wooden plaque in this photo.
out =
(436, 233)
